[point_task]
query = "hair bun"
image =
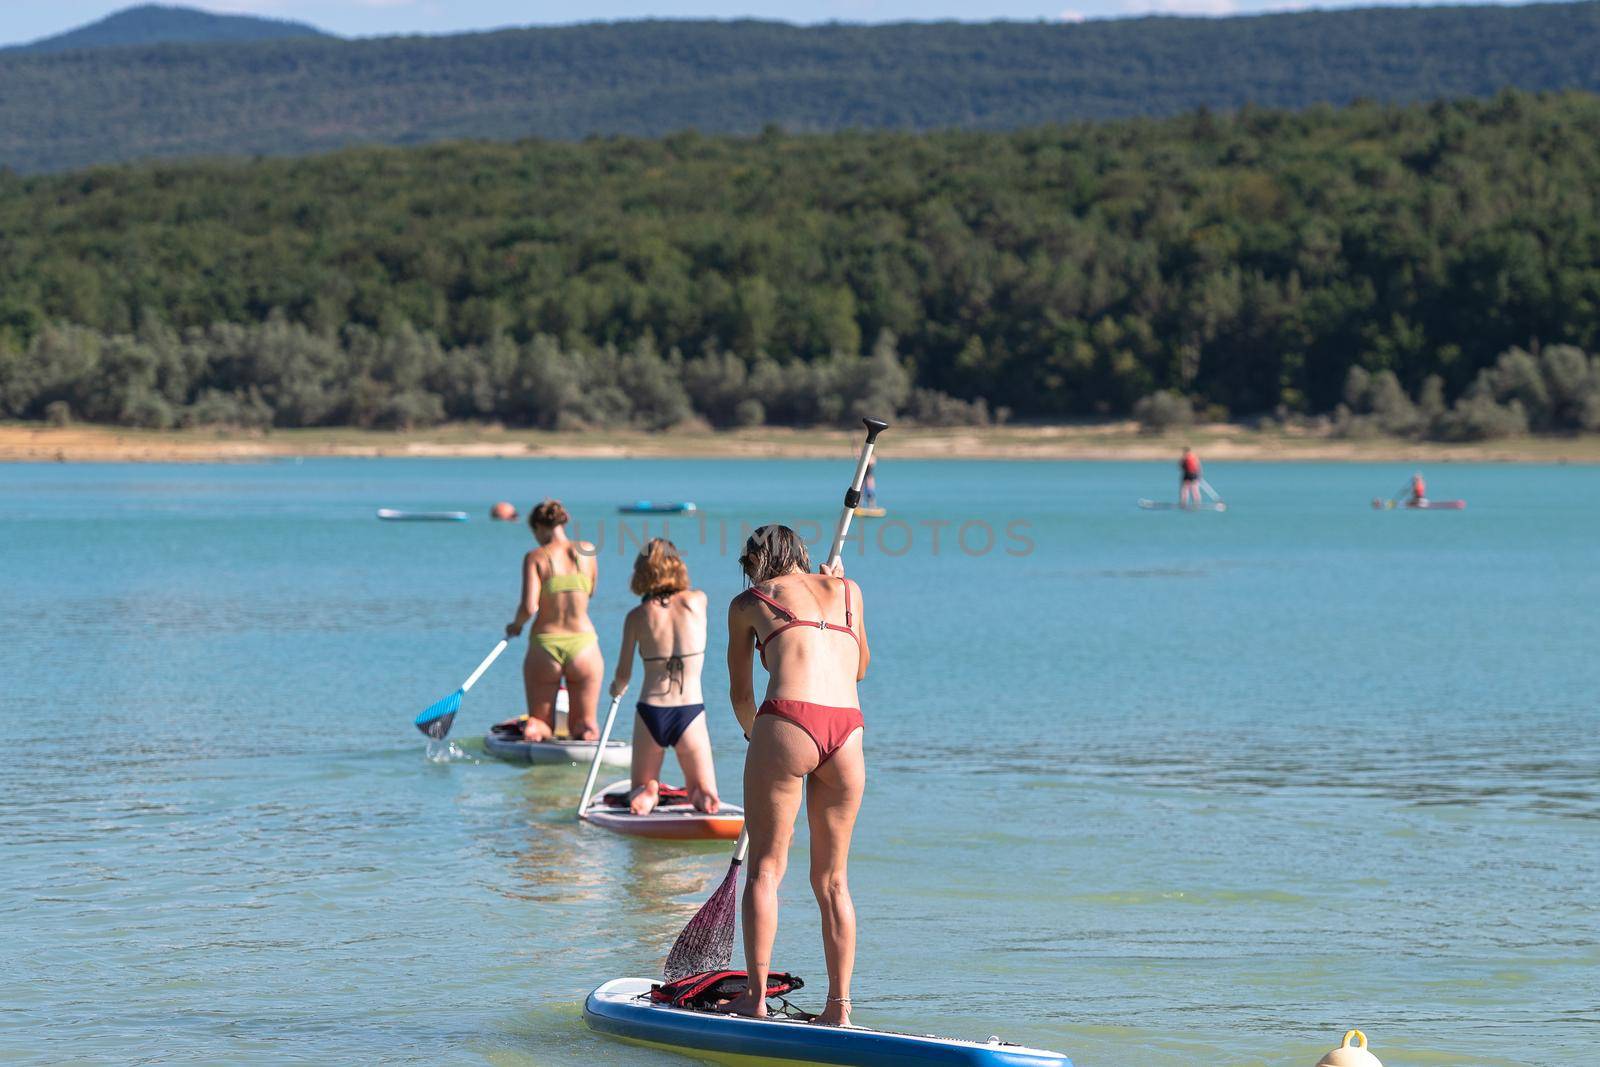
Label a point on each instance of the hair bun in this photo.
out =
(548, 513)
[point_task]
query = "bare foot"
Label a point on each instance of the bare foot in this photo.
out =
(706, 803)
(645, 798)
(536, 730)
(747, 1003)
(835, 1013)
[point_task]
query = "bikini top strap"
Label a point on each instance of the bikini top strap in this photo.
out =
(782, 611)
(849, 617)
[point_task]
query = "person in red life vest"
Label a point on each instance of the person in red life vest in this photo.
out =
(1419, 491)
(805, 744)
(1189, 486)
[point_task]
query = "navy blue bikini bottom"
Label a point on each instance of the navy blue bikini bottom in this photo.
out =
(666, 725)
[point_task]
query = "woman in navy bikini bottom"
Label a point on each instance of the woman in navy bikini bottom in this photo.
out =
(669, 630)
(805, 740)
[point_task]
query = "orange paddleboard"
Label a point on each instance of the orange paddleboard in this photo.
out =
(668, 822)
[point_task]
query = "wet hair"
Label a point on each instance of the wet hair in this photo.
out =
(659, 571)
(773, 551)
(549, 514)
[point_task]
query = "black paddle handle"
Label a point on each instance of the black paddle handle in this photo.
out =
(852, 495)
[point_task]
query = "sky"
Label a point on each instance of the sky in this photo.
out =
(26, 20)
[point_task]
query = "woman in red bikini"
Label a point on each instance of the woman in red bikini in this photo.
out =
(804, 738)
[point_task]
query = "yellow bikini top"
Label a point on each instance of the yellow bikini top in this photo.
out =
(576, 582)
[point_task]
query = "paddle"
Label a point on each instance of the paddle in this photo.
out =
(436, 720)
(599, 754)
(1212, 493)
(1394, 501)
(706, 943)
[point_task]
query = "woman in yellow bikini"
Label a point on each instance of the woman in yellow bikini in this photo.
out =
(557, 581)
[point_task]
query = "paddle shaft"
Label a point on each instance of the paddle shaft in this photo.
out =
(599, 754)
(1207, 487)
(852, 498)
(488, 660)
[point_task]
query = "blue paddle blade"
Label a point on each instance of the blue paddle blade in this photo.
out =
(436, 721)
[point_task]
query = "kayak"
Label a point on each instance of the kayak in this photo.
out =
(1167, 505)
(871, 513)
(509, 746)
(675, 821)
(657, 507)
(1422, 505)
(622, 1008)
(391, 515)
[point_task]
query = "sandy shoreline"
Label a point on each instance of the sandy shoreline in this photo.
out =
(33, 443)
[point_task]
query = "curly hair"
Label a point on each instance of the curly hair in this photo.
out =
(773, 551)
(659, 571)
(549, 514)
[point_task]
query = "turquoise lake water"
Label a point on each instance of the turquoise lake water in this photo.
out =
(1149, 788)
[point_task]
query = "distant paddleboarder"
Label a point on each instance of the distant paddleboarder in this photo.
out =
(1419, 491)
(668, 629)
(869, 485)
(1190, 474)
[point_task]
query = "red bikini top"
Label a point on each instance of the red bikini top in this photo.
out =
(792, 620)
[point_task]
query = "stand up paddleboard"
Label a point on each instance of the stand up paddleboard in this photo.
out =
(674, 819)
(871, 513)
(506, 743)
(657, 507)
(622, 1008)
(391, 515)
(1167, 505)
(1421, 505)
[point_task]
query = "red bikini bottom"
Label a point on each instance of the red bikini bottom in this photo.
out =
(829, 728)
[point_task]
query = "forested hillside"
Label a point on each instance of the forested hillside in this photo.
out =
(653, 78)
(150, 24)
(1249, 262)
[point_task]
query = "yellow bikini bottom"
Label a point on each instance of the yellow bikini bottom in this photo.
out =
(564, 648)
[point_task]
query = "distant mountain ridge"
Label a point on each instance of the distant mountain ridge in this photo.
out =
(73, 109)
(154, 24)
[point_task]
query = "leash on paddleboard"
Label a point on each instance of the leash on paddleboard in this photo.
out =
(435, 722)
(599, 754)
(706, 943)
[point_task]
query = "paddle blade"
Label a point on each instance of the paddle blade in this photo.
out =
(706, 944)
(437, 720)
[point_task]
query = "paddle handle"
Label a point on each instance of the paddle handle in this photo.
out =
(599, 754)
(852, 496)
(488, 660)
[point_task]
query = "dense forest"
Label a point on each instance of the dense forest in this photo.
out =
(1425, 269)
(653, 78)
(165, 24)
